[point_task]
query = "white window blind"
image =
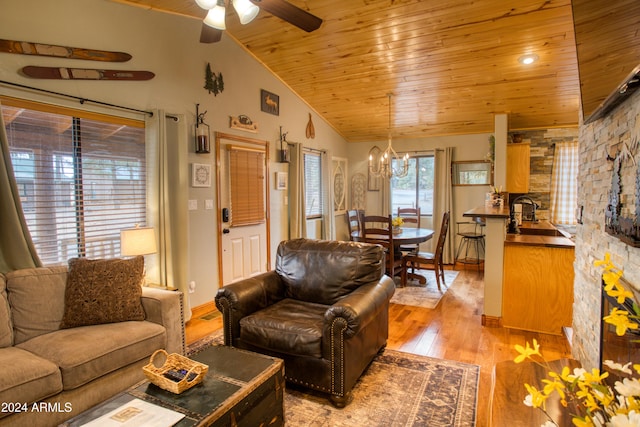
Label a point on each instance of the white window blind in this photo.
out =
(81, 179)
(313, 185)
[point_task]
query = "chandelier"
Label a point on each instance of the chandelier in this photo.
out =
(387, 164)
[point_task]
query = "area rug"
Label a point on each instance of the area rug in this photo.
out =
(426, 296)
(397, 389)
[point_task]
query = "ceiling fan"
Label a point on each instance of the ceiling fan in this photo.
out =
(214, 22)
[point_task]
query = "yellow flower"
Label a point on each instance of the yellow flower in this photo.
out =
(526, 352)
(536, 398)
(397, 221)
(620, 319)
(555, 385)
(582, 422)
(606, 262)
(618, 292)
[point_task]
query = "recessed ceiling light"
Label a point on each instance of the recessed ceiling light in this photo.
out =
(528, 59)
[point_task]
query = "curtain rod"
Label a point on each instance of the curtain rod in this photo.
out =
(83, 100)
(313, 150)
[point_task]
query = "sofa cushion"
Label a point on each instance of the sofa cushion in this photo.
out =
(35, 297)
(88, 352)
(27, 378)
(288, 326)
(103, 291)
(325, 271)
(6, 328)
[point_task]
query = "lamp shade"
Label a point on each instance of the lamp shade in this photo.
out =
(207, 4)
(138, 241)
(215, 18)
(246, 10)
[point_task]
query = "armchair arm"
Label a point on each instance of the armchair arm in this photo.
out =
(242, 298)
(360, 307)
(165, 308)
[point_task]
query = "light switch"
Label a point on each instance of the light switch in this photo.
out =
(193, 205)
(208, 204)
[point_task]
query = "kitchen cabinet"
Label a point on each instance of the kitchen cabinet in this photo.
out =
(518, 167)
(538, 286)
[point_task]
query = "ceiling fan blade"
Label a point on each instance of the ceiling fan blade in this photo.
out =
(209, 34)
(290, 13)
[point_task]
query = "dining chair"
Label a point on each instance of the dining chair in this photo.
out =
(379, 230)
(410, 216)
(429, 258)
(354, 218)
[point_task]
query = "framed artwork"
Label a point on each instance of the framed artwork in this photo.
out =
(339, 180)
(281, 180)
(373, 182)
(358, 191)
(269, 102)
(200, 175)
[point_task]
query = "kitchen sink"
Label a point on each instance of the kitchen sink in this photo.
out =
(540, 232)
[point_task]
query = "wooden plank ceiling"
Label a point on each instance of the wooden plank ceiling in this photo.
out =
(449, 65)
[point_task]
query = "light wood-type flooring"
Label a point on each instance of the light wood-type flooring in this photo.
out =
(451, 331)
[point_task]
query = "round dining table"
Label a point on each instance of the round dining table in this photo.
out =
(406, 236)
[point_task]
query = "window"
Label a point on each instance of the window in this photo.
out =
(415, 189)
(81, 178)
(313, 184)
(564, 183)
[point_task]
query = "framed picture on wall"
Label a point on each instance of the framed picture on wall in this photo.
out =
(269, 102)
(339, 180)
(200, 175)
(281, 180)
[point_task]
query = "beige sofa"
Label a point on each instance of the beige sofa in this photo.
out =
(50, 374)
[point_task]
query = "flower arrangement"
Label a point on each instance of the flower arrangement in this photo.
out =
(595, 401)
(397, 222)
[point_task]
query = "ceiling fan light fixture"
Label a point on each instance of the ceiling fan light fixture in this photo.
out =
(215, 18)
(246, 10)
(207, 4)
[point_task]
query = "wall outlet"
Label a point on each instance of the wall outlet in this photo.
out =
(193, 205)
(192, 287)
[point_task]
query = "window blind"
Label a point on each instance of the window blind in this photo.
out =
(313, 185)
(81, 180)
(247, 168)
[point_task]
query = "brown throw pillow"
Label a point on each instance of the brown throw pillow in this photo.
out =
(103, 291)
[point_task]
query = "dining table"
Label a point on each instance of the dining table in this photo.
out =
(405, 236)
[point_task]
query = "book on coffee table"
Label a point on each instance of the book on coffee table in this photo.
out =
(136, 413)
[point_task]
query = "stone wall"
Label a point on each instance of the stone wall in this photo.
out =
(542, 145)
(607, 136)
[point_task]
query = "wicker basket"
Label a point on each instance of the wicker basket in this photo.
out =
(174, 362)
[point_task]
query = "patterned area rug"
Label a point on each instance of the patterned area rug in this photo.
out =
(397, 389)
(426, 296)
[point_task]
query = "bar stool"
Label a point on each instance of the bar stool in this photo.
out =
(472, 238)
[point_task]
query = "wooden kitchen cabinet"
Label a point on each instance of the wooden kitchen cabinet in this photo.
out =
(537, 292)
(518, 167)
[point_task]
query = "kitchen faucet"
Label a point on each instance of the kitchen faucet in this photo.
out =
(529, 199)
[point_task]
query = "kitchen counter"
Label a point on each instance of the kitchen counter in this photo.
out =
(541, 233)
(485, 212)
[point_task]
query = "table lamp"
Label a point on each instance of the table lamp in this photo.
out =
(138, 241)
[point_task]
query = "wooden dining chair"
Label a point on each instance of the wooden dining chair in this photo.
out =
(428, 258)
(354, 218)
(378, 230)
(410, 216)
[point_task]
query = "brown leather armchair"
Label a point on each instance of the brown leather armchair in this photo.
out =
(324, 310)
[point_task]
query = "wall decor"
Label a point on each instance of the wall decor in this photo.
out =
(269, 102)
(339, 178)
(203, 132)
(281, 180)
(212, 82)
(310, 131)
(244, 123)
(358, 191)
(200, 175)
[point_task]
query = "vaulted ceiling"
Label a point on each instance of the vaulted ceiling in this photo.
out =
(449, 65)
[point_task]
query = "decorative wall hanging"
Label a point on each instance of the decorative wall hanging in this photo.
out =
(281, 180)
(39, 49)
(310, 131)
(203, 133)
(373, 181)
(213, 82)
(201, 175)
(269, 102)
(283, 151)
(358, 191)
(244, 123)
(339, 178)
(63, 73)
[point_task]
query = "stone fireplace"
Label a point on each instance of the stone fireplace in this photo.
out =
(600, 141)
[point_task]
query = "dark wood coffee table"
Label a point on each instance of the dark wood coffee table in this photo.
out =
(241, 388)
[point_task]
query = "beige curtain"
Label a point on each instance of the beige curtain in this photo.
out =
(297, 217)
(16, 247)
(443, 198)
(328, 217)
(167, 184)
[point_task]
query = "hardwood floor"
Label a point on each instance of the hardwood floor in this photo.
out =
(451, 331)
